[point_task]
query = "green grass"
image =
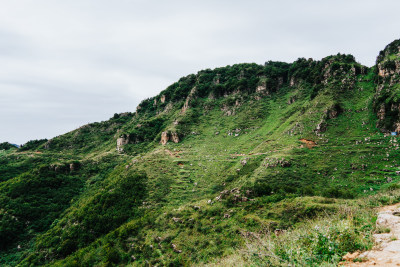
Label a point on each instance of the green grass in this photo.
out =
(218, 195)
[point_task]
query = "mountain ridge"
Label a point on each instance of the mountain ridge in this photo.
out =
(213, 161)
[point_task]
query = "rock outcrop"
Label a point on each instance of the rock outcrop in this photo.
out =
(381, 112)
(47, 145)
(164, 138)
(188, 99)
(321, 127)
(174, 137)
(123, 140)
(330, 113)
(344, 75)
(387, 245)
(387, 104)
(163, 99)
(65, 167)
(262, 88)
(167, 136)
(234, 196)
(388, 62)
(292, 82)
(228, 111)
(275, 162)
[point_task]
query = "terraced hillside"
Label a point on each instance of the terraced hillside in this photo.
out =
(217, 169)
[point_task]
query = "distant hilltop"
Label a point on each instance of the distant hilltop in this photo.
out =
(7, 146)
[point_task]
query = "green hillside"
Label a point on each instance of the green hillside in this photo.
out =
(275, 164)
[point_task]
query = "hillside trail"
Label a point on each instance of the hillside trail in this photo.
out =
(386, 251)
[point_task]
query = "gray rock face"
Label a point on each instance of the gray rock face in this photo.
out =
(386, 251)
(321, 127)
(121, 142)
(388, 68)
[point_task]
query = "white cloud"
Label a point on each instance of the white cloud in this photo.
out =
(67, 63)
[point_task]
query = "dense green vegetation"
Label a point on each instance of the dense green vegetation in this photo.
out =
(254, 150)
(6, 146)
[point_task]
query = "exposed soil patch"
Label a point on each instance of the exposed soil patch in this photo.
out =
(309, 143)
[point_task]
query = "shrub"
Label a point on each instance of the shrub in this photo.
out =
(6, 146)
(33, 144)
(337, 192)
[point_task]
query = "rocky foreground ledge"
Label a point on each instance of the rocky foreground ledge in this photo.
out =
(387, 248)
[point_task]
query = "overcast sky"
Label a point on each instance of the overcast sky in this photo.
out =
(67, 63)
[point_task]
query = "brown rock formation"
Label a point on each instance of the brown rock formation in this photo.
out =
(164, 138)
(167, 136)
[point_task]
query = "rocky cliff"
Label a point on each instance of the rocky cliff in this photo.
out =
(387, 103)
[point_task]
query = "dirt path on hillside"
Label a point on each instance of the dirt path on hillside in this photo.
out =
(387, 245)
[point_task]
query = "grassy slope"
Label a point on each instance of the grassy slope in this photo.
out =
(150, 204)
(204, 168)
